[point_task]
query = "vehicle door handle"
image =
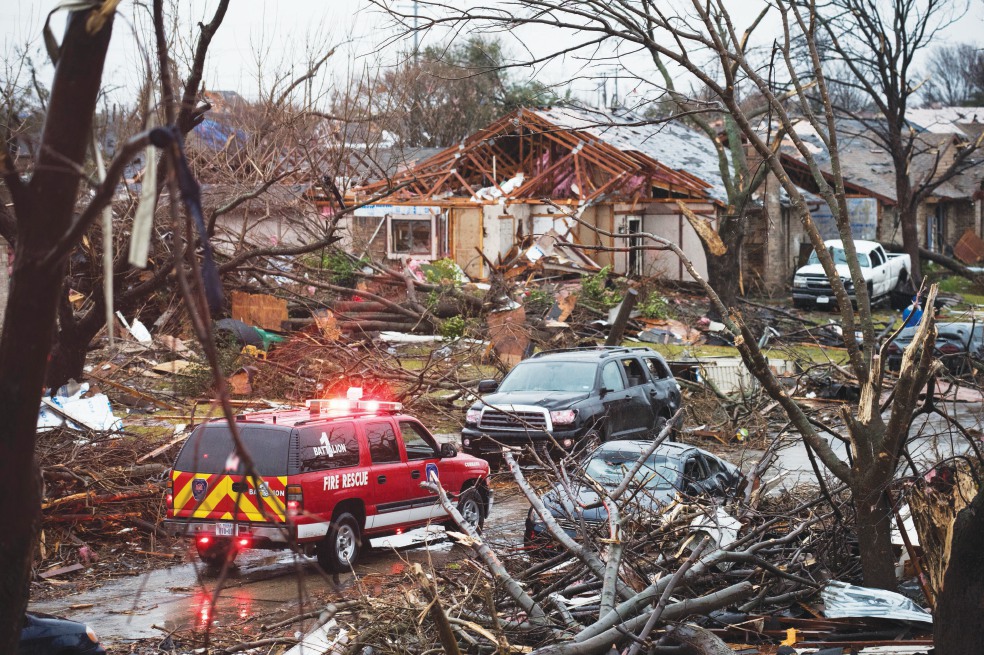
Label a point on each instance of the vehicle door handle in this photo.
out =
(415, 474)
(381, 479)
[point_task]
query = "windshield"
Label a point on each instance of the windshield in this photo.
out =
(609, 469)
(840, 257)
(551, 376)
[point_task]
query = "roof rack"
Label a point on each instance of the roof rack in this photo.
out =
(589, 349)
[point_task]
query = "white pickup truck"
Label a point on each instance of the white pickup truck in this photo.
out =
(883, 273)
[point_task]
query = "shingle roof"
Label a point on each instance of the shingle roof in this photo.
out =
(671, 143)
(866, 164)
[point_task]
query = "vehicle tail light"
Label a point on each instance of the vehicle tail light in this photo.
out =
(949, 349)
(204, 540)
(295, 500)
(169, 496)
(243, 542)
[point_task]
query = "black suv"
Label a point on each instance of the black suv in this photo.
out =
(572, 396)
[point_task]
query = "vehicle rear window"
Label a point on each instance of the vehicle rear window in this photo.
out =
(210, 449)
(328, 447)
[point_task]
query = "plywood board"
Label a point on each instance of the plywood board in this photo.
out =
(259, 310)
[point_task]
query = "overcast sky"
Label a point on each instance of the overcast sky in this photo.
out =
(278, 32)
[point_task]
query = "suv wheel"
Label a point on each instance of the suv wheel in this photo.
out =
(216, 553)
(472, 509)
(340, 550)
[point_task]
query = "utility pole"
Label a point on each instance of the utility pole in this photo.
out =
(416, 36)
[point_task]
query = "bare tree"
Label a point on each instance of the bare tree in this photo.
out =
(955, 75)
(42, 214)
(251, 155)
(683, 35)
(877, 43)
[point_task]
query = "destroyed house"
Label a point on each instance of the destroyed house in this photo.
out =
(948, 212)
(561, 188)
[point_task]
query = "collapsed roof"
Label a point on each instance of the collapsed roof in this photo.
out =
(563, 154)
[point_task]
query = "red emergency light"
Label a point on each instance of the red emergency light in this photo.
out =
(352, 404)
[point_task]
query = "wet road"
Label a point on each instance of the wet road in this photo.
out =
(932, 439)
(264, 582)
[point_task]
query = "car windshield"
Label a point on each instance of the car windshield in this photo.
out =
(840, 257)
(609, 469)
(551, 376)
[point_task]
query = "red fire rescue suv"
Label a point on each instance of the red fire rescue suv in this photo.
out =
(330, 476)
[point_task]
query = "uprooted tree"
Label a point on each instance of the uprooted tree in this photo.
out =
(685, 35)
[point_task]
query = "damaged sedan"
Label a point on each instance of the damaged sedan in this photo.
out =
(672, 469)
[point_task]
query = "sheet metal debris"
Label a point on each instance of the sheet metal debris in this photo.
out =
(844, 600)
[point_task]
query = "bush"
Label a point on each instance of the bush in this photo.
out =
(444, 272)
(537, 301)
(595, 290)
(452, 328)
(342, 267)
(654, 306)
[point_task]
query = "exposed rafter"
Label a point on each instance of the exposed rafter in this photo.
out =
(556, 163)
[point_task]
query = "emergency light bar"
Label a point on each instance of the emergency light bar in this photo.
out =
(346, 406)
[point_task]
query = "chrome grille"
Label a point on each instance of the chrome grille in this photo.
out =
(493, 419)
(817, 282)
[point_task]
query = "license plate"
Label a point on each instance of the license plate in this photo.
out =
(822, 300)
(223, 529)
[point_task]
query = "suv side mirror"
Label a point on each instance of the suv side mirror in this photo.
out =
(448, 451)
(604, 391)
(487, 386)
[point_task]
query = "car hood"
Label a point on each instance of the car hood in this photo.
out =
(842, 270)
(549, 400)
(649, 501)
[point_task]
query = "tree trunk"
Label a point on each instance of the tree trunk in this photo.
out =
(959, 625)
(67, 357)
(910, 231)
(44, 210)
(724, 271)
(874, 526)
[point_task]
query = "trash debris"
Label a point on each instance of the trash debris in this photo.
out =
(92, 413)
(843, 600)
(136, 329)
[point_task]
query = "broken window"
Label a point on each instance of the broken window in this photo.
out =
(411, 236)
(633, 372)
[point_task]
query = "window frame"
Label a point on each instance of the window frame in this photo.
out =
(392, 219)
(658, 364)
(302, 462)
(617, 365)
(367, 425)
(427, 437)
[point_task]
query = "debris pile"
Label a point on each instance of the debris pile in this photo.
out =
(102, 499)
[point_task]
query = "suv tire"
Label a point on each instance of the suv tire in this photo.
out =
(471, 506)
(216, 553)
(340, 550)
